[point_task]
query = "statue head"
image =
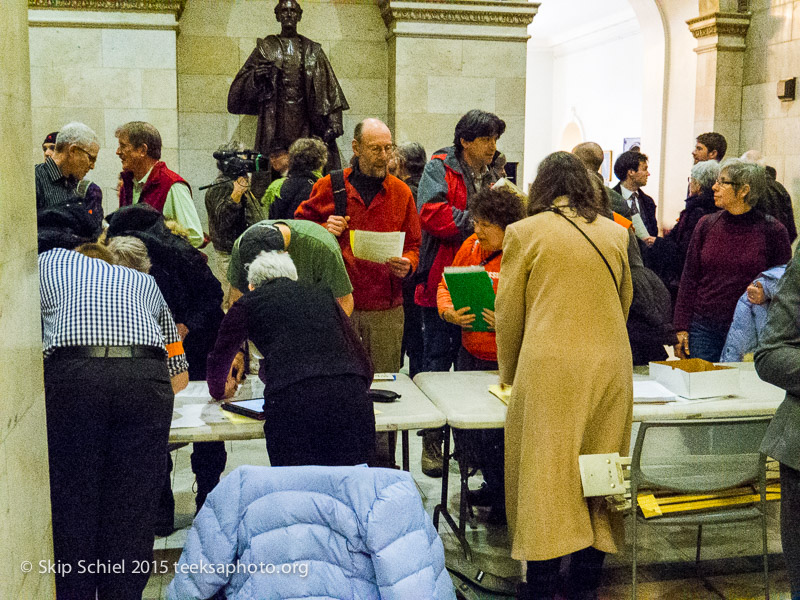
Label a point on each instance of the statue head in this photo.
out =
(288, 13)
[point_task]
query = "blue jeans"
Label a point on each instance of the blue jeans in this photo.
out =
(706, 340)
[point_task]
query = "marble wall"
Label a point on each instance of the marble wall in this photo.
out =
(216, 37)
(767, 124)
(25, 530)
(104, 74)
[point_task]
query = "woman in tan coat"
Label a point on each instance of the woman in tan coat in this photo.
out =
(561, 341)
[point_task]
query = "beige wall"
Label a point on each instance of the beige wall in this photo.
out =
(123, 70)
(215, 39)
(25, 530)
(436, 81)
(769, 125)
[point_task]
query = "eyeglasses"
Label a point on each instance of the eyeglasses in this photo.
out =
(724, 182)
(92, 157)
(377, 150)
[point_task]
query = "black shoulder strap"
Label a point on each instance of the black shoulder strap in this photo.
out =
(491, 257)
(588, 239)
(339, 193)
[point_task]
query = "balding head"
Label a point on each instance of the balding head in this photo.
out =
(372, 144)
(591, 155)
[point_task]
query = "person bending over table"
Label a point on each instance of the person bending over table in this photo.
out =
(492, 211)
(315, 371)
(727, 252)
(561, 340)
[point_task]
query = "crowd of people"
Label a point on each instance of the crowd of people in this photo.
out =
(588, 284)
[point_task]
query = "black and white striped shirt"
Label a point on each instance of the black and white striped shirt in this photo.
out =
(88, 302)
(53, 188)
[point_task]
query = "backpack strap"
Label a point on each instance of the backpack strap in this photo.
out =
(339, 193)
(83, 187)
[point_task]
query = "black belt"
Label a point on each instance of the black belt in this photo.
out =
(109, 352)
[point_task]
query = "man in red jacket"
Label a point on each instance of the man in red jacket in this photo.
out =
(145, 178)
(376, 201)
(453, 175)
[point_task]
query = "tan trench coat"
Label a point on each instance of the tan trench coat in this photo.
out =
(562, 342)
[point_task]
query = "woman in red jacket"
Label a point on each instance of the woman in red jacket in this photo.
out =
(492, 211)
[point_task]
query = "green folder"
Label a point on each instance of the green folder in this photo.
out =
(471, 286)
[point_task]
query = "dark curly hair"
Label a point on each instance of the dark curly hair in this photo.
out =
(307, 154)
(628, 161)
(477, 123)
(500, 206)
(563, 174)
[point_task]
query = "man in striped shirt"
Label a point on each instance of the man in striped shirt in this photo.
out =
(113, 360)
(73, 157)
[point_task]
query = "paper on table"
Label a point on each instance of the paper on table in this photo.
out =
(190, 416)
(377, 246)
(503, 392)
(195, 389)
(651, 391)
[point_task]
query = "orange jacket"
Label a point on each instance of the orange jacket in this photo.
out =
(481, 344)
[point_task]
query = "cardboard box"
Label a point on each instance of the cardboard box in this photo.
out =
(696, 378)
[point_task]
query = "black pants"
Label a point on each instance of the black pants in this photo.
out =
(413, 344)
(790, 525)
(107, 429)
(582, 580)
(320, 421)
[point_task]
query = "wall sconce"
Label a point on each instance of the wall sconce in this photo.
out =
(786, 89)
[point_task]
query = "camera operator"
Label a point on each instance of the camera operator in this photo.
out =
(231, 207)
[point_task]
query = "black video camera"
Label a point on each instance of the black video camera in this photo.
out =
(235, 163)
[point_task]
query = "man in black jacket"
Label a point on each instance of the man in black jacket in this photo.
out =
(631, 170)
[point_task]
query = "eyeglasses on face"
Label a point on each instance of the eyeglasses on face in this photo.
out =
(92, 157)
(722, 182)
(377, 150)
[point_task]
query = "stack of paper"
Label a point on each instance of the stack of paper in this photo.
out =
(651, 392)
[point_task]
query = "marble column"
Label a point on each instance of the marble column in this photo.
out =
(446, 58)
(25, 529)
(720, 34)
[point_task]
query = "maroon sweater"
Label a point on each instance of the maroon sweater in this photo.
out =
(726, 254)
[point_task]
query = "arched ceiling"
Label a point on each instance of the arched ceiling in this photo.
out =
(558, 20)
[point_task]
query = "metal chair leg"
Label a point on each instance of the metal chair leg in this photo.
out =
(699, 541)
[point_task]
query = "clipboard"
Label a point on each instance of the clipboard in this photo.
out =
(248, 408)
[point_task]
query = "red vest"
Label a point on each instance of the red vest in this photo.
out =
(155, 189)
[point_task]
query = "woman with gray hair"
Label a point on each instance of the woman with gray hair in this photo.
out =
(668, 253)
(315, 371)
(727, 251)
(307, 158)
(130, 252)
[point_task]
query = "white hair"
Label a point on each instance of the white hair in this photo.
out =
(270, 265)
(76, 133)
(755, 157)
(705, 173)
(130, 252)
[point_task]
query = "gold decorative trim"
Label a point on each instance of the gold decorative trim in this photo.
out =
(160, 6)
(503, 13)
(734, 24)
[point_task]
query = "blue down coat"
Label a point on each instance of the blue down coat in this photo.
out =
(749, 319)
(313, 532)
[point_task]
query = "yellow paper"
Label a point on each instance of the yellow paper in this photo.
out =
(234, 418)
(502, 391)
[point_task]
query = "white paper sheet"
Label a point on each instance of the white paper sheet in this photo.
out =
(377, 246)
(195, 389)
(651, 391)
(638, 226)
(190, 416)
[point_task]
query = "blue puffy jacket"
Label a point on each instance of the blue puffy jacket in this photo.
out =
(313, 532)
(749, 319)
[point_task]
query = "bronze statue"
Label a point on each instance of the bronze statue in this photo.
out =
(288, 82)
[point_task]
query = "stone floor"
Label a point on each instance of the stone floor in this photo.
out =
(730, 567)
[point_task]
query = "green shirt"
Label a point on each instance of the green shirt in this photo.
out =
(178, 206)
(315, 253)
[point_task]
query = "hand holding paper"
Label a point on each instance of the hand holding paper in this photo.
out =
(399, 266)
